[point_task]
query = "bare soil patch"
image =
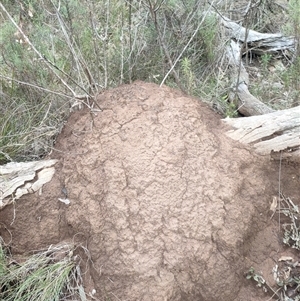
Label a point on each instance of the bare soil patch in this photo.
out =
(168, 206)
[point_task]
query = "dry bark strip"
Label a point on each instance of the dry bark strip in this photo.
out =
(276, 133)
(17, 179)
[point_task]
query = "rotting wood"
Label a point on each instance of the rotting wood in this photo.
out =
(19, 178)
(277, 133)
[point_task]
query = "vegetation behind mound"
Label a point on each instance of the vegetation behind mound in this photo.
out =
(58, 54)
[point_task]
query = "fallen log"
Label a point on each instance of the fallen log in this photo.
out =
(259, 43)
(248, 105)
(243, 41)
(276, 134)
(270, 132)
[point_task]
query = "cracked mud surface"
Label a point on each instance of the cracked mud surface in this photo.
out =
(169, 208)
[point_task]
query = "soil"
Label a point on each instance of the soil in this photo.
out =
(166, 206)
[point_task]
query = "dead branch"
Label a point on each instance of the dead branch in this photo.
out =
(243, 40)
(272, 133)
(153, 11)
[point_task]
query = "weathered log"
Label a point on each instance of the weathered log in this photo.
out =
(243, 40)
(277, 133)
(17, 179)
(248, 105)
(258, 43)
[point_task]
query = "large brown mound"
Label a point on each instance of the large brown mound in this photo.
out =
(169, 208)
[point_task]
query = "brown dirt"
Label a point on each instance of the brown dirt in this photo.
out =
(168, 207)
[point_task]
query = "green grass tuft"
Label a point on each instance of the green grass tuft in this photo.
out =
(52, 274)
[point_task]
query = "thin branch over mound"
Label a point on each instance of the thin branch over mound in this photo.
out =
(276, 133)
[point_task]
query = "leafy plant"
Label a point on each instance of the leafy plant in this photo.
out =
(188, 75)
(293, 26)
(209, 37)
(226, 107)
(265, 60)
(260, 281)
